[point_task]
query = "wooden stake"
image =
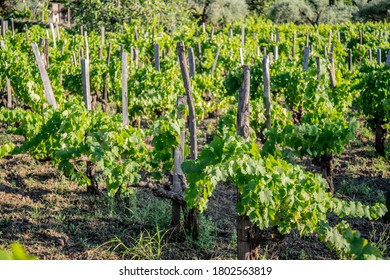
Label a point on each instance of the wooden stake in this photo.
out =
(125, 101)
(86, 84)
(243, 35)
(48, 90)
(306, 58)
(53, 33)
(27, 36)
(350, 60)
(379, 56)
(246, 247)
(267, 91)
(191, 61)
(276, 52)
(157, 57)
(318, 65)
(177, 185)
(215, 61)
(193, 216)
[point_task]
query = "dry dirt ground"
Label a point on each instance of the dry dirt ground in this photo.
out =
(55, 219)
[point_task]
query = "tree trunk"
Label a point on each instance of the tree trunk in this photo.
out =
(380, 137)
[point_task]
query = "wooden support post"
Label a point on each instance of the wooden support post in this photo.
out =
(86, 46)
(379, 56)
(243, 105)
(230, 33)
(86, 84)
(3, 28)
(247, 247)
(48, 90)
(53, 33)
(193, 216)
(125, 102)
(370, 54)
(46, 52)
(241, 57)
(215, 61)
(350, 60)
(318, 65)
(100, 53)
(332, 72)
(387, 63)
(157, 57)
(177, 185)
(361, 37)
(191, 61)
(27, 36)
(306, 59)
(330, 37)
(74, 60)
(105, 80)
(190, 99)
(243, 35)
(277, 35)
(330, 54)
(102, 34)
(8, 82)
(212, 33)
(267, 91)
(9, 93)
(276, 52)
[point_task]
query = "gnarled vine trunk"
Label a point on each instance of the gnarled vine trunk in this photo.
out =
(93, 187)
(380, 137)
(325, 162)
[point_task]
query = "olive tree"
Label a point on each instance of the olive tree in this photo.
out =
(312, 12)
(375, 10)
(218, 11)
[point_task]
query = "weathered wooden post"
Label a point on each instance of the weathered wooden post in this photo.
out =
(350, 60)
(215, 61)
(193, 216)
(86, 84)
(267, 91)
(125, 102)
(177, 185)
(247, 247)
(48, 90)
(105, 80)
(191, 61)
(157, 57)
(379, 56)
(318, 65)
(306, 58)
